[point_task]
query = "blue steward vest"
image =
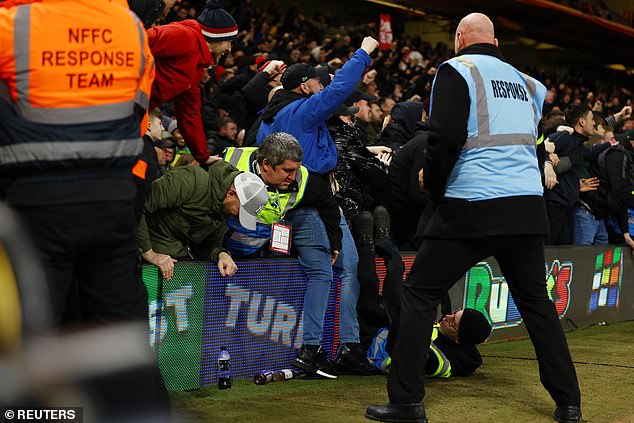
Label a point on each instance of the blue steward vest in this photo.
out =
(499, 157)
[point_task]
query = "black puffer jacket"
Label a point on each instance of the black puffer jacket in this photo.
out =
(354, 195)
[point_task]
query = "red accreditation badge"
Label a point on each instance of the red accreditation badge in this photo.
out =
(281, 237)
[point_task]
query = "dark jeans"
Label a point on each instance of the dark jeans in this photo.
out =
(96, 244)
(439, 264)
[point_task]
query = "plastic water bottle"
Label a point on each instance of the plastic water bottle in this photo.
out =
(224, 372)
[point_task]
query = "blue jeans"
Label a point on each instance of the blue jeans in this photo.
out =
(588, 229)
(313, 249)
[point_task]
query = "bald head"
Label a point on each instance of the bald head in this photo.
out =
(473, 29)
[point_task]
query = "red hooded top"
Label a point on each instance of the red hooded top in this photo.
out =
(181, 56)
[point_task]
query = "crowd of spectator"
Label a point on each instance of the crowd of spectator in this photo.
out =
(395, 89)
(343, 127)
(263, 119)
(360, 116)
(600, 9)
(342, 130)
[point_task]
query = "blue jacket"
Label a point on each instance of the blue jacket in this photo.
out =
(305, 118)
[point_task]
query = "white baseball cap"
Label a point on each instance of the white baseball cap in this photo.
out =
(253, 197)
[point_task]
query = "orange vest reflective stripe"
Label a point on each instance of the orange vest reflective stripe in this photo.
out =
(145, 123)
(13, 3)
(75, 63)
(140, 169)
(74, 84)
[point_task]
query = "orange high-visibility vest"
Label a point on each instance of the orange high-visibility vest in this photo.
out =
(84, 65)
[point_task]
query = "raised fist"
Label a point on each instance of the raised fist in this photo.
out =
(369, 44)
(274, 67)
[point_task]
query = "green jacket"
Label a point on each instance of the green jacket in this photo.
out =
(184, 207)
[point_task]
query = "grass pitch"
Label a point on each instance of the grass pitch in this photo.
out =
(505, 389)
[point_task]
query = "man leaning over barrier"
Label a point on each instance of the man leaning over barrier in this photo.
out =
(185, 212)
(322, 240)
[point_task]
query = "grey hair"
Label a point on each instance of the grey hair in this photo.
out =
(278, 147)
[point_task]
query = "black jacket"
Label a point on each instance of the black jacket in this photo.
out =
(602, 203)
(217, 143)
(256, 96)
(256, 91)
(353, 196)
(617, 164)
(455, 218)
(464, 359)
(405, 116)
(406, 201)
(566, 192)
(405, 191)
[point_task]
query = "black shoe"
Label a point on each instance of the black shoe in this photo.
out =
(411, 413)
(567, 414)
(363, 229)
(381, 223)
(314, 362)
(351, 358)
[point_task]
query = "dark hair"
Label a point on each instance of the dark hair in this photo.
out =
(599, 120)
(552, 123)
(576, 112)
(383, 100)
(156, 113)
(225, 121)
(278, 147)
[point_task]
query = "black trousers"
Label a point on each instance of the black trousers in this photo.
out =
(90, 259)
(439, 264)
(96, 244)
